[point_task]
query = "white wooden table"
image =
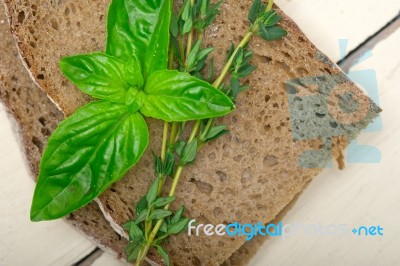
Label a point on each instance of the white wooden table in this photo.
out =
(362, 194)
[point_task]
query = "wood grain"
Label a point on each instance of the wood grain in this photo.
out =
(55, 243)
(325, 22)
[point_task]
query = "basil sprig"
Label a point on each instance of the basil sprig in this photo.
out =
(102, 140)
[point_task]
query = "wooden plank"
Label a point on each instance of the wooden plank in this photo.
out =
(362, 194)
(89, 259)
(353, 57)
(21, 241)
(324, 22)
(107, 260)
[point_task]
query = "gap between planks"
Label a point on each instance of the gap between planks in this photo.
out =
(90, 258)
(353, 56)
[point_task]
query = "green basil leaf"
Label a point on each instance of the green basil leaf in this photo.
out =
(271, 33)
(178, 96)
(141, 28)
(133, 73)
(157, 51)
(98, 74)
(88, 152)
(134, 99)
(159, 214)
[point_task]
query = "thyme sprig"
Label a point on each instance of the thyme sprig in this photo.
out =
(157, 221)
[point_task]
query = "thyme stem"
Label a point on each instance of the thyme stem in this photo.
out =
(164, 141)
(270, 5)
(163, 155)
(177, 176)
(217, 83)
(190, 36)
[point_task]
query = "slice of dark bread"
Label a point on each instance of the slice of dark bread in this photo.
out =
(247, 176)
(37, 117)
